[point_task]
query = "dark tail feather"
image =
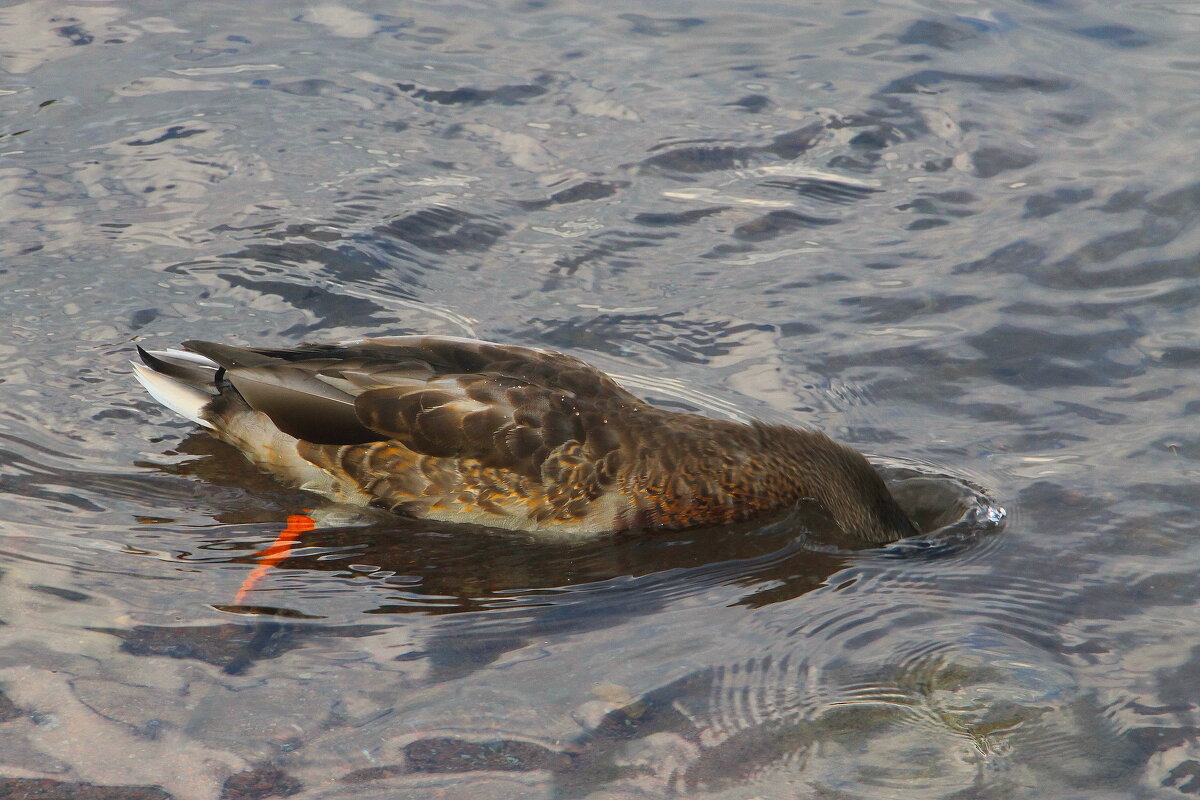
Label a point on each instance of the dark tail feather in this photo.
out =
(191, 369)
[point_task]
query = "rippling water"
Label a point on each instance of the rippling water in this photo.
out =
(962, 237)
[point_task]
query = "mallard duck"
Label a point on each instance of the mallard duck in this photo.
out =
(514, 437)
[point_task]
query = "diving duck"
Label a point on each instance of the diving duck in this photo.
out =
(514, 437)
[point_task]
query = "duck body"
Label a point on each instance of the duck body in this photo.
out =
(470, 431)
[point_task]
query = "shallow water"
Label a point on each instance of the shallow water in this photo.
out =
(961, 237)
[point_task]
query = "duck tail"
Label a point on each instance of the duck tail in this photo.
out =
(182, 381)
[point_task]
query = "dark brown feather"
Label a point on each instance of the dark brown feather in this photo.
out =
(462, 429)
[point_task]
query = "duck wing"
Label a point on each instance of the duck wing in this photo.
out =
(508, 407)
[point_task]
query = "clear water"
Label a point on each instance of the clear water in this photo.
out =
(960, 236)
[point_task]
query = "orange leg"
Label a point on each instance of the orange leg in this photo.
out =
(278, 551)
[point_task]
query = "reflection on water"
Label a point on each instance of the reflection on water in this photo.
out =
(960, 238)
(925, 724)
(544, 585)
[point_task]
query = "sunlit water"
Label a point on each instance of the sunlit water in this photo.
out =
(959, 236)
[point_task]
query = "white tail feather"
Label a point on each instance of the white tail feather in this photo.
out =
(187, 401)
(186, 355)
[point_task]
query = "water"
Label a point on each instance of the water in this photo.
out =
(960, 236)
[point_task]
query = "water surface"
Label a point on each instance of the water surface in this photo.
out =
(961, 237)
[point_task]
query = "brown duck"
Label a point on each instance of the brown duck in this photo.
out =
(470, 431)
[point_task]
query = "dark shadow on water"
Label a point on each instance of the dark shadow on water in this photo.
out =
(234, 647)
(498, 590)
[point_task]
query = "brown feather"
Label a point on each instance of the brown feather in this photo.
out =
(510, 436)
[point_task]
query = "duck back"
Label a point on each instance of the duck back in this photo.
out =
(470, 431)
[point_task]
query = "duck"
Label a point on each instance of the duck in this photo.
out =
(467, 431)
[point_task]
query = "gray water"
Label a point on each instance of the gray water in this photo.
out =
(960, 236)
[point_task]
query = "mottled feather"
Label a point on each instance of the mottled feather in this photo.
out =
(471, 431)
